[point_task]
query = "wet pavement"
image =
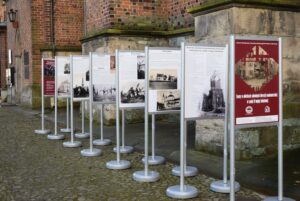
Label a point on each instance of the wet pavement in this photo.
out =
(34, 168)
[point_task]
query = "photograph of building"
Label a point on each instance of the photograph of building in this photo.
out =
(168, 100)
(162, 79)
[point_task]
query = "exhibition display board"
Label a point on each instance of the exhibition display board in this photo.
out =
(49, 76)
(63, 78)
(164, 80)
(131, 79)
(103, 86)
(256, 67)
(80, 78)
(205, 81)
(104, 78)
(256, 91)
(47, 88)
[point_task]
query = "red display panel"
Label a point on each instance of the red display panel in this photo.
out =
(256, 81)
(49, 77)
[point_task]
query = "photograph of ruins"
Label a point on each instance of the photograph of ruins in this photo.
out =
(213, 102)
(104, 92)
(133, 92)
(256, 68)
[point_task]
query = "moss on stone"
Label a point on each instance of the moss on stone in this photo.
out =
(215, 4)
(126, 32)
(61, 48)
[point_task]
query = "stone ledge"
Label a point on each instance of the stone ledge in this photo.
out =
(143, 33)
(61, 48)
(215, 5)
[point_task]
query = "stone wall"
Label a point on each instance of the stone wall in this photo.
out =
(215, 28)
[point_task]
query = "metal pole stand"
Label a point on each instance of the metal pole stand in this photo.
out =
(118, 164)
(90, 152)
(55, 136)
(83, 134)
(101, 141)
(182, 191)
(124, 149)
(42, 131)
(280, 140)
(72, 143)
(154, 160)
(189, 171)
(146, 175)
(67, 130)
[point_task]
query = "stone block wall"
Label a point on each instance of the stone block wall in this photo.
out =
(215, 27)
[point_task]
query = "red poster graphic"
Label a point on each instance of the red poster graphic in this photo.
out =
(49, 77)
(256, 81)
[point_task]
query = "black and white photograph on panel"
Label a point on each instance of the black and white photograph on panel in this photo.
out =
(63, 77)
(133, 92)
(104, 92)
(213, 101)
(168, 100)
(80, 82)
(162, 79)
(141, 67)
(112, 64)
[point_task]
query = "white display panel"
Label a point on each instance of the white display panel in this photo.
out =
(63, 76)
(132, 79)
(205, 81)
(80, 76)
(164, 80)
(104, 78)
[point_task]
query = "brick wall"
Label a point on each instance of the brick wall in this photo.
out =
(177, 15)
(37, 31)
(138, 14)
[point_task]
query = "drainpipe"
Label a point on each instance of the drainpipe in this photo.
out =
(52, 28)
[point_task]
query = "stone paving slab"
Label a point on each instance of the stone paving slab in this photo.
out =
(34, 168)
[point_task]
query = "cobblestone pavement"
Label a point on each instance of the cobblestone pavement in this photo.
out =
(34, 168)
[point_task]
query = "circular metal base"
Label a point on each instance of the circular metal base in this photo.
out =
(156, 160)
(103, 142)
(221, 187)
(72, 144)
(82, 135)
(187, 192)
(118, 165)
(125, 149)
(276, 199)
(189, 172)
(65, 130)
(56, 137)
(89, 152)
(141, 176)
(42, 132)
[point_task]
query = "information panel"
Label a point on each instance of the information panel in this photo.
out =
(63, 76)
(81, 77)
(131, 79)
(205, 81)
(49, 76)
(256, 81)
(104, 78)
(164, 80)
